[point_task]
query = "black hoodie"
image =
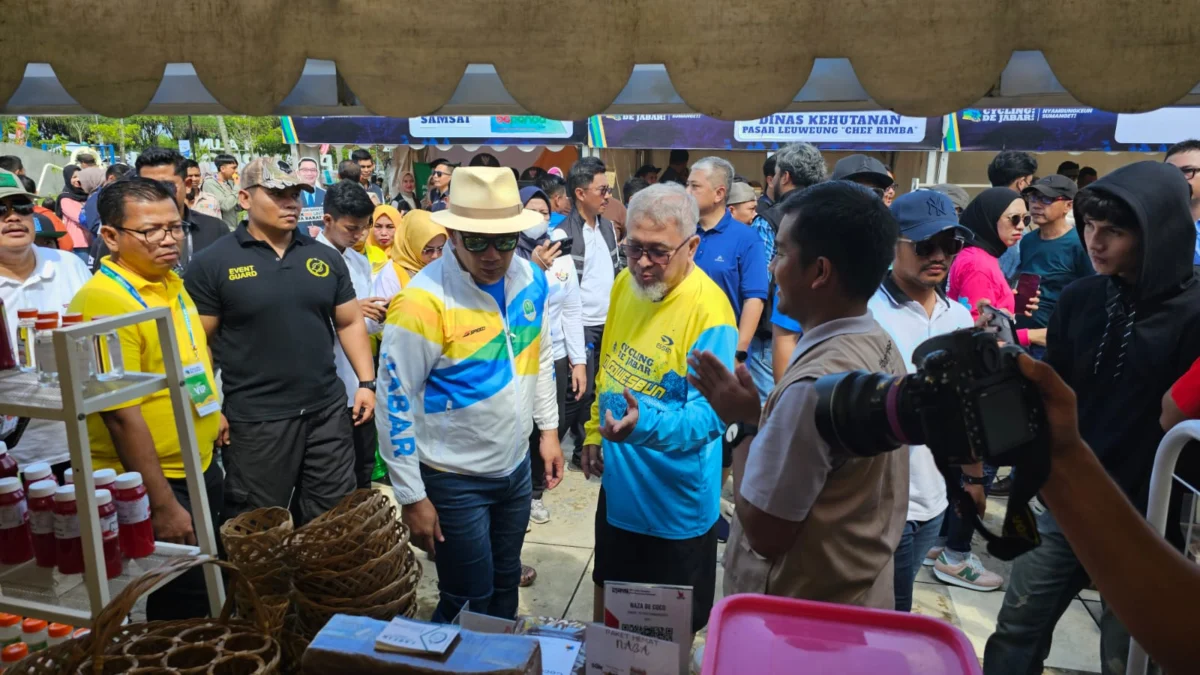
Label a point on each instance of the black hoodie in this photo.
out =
(1122, 346)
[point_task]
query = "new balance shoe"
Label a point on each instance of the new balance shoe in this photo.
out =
(970, 573)
(538, 513)
(932, 556)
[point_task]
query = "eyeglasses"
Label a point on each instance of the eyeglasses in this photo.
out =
(605, 190)
(951, 245)
(439, 174)
(430, 250)
(1018, 218)
(658, 256)
(22, 208)
(477, 243)
(1044, 200)
(1189, 172)
(155, 235)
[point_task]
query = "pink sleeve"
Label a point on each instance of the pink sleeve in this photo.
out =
(1023, 336)
(974, 286)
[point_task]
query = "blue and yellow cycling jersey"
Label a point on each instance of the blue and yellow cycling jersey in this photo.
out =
(664, 480)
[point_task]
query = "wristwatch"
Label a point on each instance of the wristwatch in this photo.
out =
(366, 384)
(741, 356)
(973, 480)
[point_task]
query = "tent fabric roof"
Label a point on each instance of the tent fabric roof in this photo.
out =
(572, 59)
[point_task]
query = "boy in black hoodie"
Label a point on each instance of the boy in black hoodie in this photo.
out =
(1120, 339)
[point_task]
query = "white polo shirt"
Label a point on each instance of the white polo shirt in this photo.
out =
(56, 277)
(909, 325)
(596, 285)
(360, 277)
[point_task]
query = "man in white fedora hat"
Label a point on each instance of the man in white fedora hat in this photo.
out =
(466, 354)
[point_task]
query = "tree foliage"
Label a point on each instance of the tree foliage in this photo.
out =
(258, 135)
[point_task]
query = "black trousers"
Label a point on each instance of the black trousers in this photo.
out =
(365, 439)
(187, 597)
(579, 411)
(537, 470)
(304, 463)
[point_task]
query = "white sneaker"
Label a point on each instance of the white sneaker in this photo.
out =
(970, 573)
(932, 556)
(538, 513)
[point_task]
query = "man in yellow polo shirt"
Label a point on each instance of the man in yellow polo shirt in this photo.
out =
(142, 229)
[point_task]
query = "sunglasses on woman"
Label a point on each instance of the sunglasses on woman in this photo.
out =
(950, 245)
(1018, 218)
(478, 243)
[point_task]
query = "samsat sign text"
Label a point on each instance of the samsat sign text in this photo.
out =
(832, 127)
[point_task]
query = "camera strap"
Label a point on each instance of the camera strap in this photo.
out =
(1019, 533)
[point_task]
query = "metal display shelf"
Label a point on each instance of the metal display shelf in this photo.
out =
(77, 599)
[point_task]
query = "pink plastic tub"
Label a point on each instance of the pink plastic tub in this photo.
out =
(764, 635)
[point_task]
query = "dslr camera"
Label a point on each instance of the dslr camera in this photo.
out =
(967, 401)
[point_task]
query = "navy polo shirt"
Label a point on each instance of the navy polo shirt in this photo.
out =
(732, 255)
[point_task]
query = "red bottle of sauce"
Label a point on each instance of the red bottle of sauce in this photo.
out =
(16, 545)
(109, 530)
(133, 512)
(8, 465)
(35, 472)
(41, 522)
(68, 543)
(105, 479)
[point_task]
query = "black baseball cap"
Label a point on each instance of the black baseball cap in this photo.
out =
(862, 168)
(645, 169)
(1054, 186)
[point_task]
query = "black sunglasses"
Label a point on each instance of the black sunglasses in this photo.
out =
(20, 208)
(951, 245)
(477, 243)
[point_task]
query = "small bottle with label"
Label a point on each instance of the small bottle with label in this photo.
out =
(35, 472)
(69, 548)
(107, 358)
(133, 514)
(35, 633)
(10, 629)
(26, 329)
(41, 522)
(8, 352)
(105, 479)
(58, 633)
(110, 533)
(13, 653)
(81, 346)
(16, 544)
(43, 347)
(8, 465)
(69, 477)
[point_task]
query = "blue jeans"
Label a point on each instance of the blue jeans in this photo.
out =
(1041, 586)
(483, 521)
(916, 540)
(955, 529)
(759, 362)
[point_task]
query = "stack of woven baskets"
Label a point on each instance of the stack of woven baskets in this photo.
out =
(254, 542)
(355, 560)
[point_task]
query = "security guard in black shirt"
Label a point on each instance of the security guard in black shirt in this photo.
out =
(271, 298)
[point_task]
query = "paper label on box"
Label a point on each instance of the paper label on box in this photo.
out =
(558, 655)
(403, 635)
(615, 652)
(660, 612)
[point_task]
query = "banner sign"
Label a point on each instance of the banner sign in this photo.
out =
(1069, 129)
(827, 130)
(435, 130)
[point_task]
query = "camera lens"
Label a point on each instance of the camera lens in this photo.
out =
(866, 413)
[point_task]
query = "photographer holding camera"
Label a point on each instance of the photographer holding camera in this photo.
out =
(912, 308)
(1120, 339)
(812, 522)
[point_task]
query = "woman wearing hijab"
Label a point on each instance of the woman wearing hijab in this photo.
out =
(419, 242)
(997, 217)
(382, 235)
(407, 194)
(69, 208)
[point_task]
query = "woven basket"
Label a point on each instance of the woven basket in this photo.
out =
(394, 599)
(254, 540)
(379, 535)
(365, 501)
(400, 584)
(362, 580)
(153, 646)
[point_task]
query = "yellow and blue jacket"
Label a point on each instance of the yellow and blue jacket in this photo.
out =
(458, 378)
(664, 480)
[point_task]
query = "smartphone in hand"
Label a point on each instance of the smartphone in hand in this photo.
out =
(1027, 289)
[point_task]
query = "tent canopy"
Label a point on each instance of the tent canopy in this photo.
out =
(832, 84)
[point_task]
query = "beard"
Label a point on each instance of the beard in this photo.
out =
(653, 292)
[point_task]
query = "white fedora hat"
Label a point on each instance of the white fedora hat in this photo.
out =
(485, 200)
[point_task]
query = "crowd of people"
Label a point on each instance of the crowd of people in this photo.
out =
(466, 332)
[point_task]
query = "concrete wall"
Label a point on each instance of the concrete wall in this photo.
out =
(49, 181)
